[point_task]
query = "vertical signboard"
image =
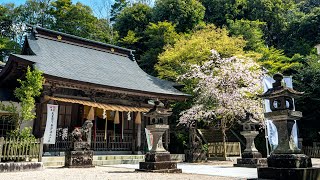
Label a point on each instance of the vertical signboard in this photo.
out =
(49, 136)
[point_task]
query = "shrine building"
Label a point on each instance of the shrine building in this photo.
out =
(90, 80)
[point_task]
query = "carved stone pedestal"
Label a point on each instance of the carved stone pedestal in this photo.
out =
(197, 155)
(79, 159)
(251, 157)
(160, 163)
(158, 160)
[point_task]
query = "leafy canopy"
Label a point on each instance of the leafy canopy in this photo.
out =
(158, 35)
(195, 49)
(185, 14)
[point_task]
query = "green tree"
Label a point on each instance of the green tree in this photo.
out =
(195, 49)
(130, 25)
(251, 31)
(274, 60)
(30, 88)
(303, 34)
(219, 12)
(157, 36)
(277, 14)
(185, 14)
(7, 43)
(117, 7)
(34, 12)
(75, 19)
(308, 81)
(135, 18)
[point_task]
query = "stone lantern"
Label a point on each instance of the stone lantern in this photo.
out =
(158, 159)
(251, 157)
(286, 161)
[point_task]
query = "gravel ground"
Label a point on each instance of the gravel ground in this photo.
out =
(103, 173)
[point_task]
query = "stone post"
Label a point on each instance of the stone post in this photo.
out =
(250, 146)
(251, 157)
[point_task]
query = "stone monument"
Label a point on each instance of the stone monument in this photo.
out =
(287, 160)
(195, 151)
(158, 159)
(80, 155)
(251, 157)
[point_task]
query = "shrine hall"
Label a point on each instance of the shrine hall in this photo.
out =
(90, 80)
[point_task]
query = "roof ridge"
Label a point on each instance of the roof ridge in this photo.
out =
(48, 32)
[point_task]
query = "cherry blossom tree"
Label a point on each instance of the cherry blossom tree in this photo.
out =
(226, 91)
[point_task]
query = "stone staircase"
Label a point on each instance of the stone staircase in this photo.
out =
(98, 160)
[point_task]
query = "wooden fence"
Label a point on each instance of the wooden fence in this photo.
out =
(311, 151)
(217, 149)
(15, 149)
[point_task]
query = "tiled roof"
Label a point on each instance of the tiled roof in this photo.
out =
(76, 62)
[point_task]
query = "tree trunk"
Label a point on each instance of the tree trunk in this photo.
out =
(224, 143)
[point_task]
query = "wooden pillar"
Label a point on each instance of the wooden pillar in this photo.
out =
(139, 137)
(38, 121)
(133, 133)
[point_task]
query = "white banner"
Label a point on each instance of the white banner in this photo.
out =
(49, 136)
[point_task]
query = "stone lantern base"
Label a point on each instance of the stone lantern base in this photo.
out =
(289, 166)
(250, 157)
(159, 163)
(251, 160)
(79, 159)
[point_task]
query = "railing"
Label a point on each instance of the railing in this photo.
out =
(311, 151)
(112, 143)
(217, 149)
(15, 149)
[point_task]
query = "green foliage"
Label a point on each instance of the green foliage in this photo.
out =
(205, 147)
(130, 39)
(75, 19)
(7, 45)
(251, 31)
(304, 34)
(157, 36)
(185, 14)
(135, 18)
(219, 12)
(275, 61)
(117, 7)
(195, 49)
(307, 80)
(30, 89)
(34, 12)
(24, 134)
(11, 108)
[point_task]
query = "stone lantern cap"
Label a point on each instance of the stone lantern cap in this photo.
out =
(158, 111)
(278, 90)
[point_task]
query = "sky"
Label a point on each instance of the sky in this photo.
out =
(94, 4)
(18, 2)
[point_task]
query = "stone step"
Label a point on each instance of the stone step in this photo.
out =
(97, 160)
(118, 157)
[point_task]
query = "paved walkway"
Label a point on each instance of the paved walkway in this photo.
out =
(213, 170)
(102, 173)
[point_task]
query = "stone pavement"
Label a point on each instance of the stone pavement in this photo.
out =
(215, 170)
(207, 169)
(102, 173)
